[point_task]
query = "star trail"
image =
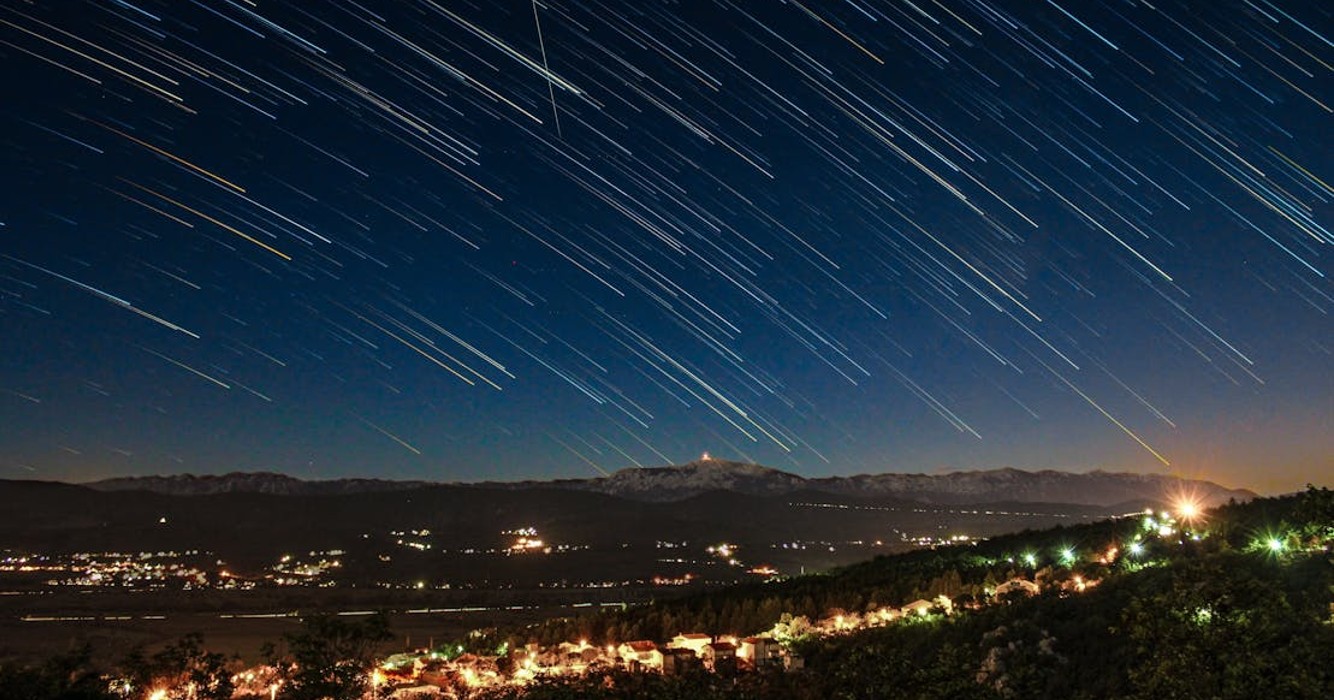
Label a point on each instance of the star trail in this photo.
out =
(521, 239)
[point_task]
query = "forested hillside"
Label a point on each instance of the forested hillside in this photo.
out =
(1237, 602)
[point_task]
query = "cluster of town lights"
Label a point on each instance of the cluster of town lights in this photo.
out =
(1179, 524)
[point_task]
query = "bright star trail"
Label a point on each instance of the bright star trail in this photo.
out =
(517, 239)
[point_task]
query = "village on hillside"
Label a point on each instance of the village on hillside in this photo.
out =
(449, 673)
(485, 664)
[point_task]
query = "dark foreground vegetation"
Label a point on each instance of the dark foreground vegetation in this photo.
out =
(1237, 602)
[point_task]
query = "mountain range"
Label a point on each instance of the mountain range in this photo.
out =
(632, 525)
(678, 482)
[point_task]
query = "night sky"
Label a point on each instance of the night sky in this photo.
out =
(450, 240)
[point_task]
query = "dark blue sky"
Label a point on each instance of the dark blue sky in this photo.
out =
(414, 240)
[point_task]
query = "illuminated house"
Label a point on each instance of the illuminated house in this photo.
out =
(719, 657)
(676, 660)
(758, 652)
(640, 654)
(581, 653)
(917, 607)
(693, 641)
(1017, 584)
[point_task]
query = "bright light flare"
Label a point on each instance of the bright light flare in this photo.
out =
(1273, 542)
(1187, 509)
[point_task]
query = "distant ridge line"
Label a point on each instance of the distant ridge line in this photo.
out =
(677, 482)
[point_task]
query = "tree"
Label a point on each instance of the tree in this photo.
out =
(68, 676)
(184, 669)
(1227, 629)
(330, 657)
